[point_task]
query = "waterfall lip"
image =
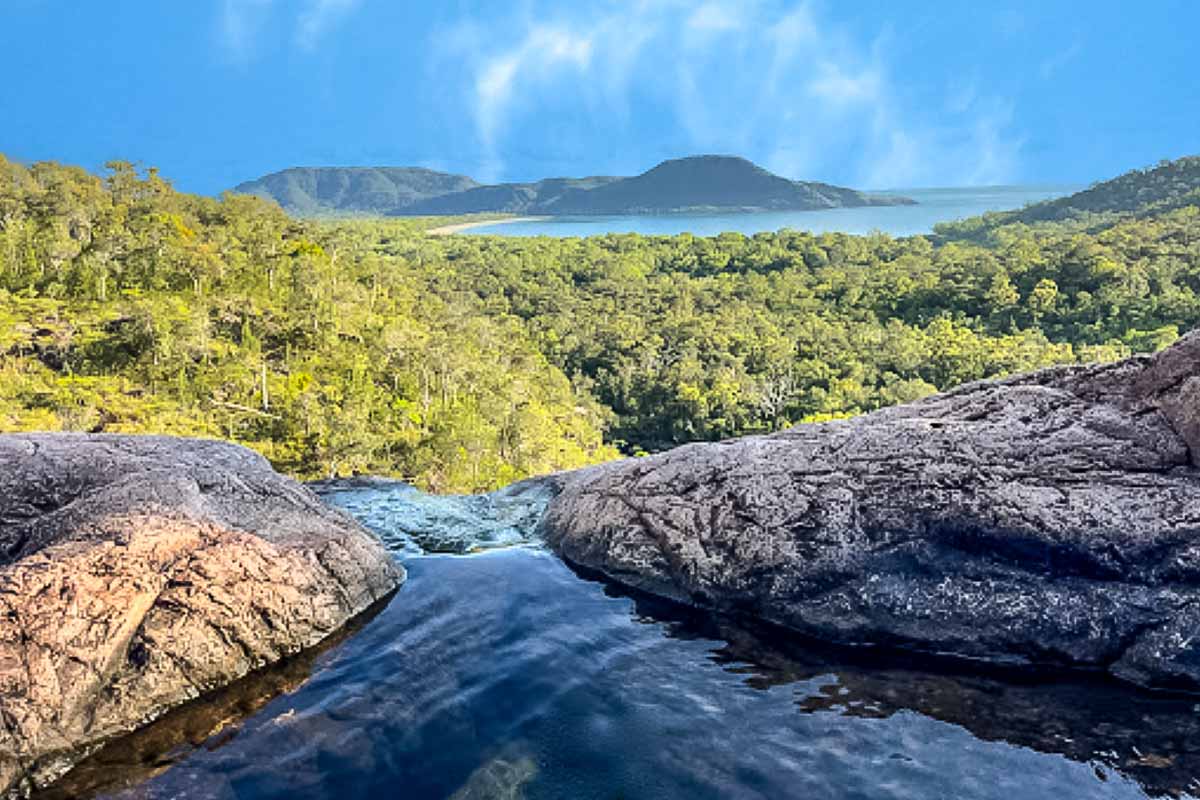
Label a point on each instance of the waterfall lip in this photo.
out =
(414, 523)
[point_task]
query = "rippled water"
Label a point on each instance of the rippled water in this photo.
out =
(933, 206)
(505, 674)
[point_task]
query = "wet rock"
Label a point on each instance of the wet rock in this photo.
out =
(138, 573)
(1050, 518)
(208, 723)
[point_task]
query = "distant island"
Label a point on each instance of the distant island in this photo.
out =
(694, 184)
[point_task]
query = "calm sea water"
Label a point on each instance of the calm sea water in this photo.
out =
(933, 206)
(498, 672)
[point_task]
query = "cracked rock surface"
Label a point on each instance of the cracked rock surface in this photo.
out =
(1050, 518)
(139, 572)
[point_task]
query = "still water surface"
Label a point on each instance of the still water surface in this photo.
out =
(933, 206)
(499, 672)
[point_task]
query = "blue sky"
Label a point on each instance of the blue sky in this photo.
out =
(873, 93)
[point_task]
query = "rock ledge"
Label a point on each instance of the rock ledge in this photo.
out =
(140, 572)
(1050, 518)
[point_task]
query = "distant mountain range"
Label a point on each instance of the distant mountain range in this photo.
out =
(698, 183)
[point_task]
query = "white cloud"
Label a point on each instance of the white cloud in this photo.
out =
(806, 96)
(978, 151)
(543, 50)
(796, 29)
(318, 17)
(240, 24)
(841, 88)
(714, 17)
(244, 23)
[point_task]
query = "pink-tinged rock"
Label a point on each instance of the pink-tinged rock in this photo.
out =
(137, 573)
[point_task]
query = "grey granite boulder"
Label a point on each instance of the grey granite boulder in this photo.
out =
(140, 572)
(1047, 519)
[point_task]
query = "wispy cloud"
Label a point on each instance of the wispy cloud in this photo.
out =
(1060, 59)
(751, 76)
(841, 88)
(241, 21)
(318, 17)
(714, 17)
(544, 50)
(243, 24)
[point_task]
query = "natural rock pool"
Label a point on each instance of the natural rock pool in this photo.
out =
(499, 672)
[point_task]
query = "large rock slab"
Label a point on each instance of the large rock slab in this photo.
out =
(1050, 518)
(140, 572)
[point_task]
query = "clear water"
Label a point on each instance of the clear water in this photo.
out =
(503, 673)
(933, 206)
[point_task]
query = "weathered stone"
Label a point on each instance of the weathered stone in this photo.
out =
(137, 573)
(1051, 518)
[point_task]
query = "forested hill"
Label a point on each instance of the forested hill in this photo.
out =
(506, 198)
(462, 363)
(706, 183)
(1138, 193)
(330, 191)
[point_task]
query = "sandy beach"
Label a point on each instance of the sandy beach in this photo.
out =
(446, 230)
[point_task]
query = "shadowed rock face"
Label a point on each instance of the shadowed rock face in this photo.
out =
(1051, 518)
(137, 573)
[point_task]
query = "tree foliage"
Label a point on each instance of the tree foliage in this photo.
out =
(465, 362)
(1139, 193)
(126, 306)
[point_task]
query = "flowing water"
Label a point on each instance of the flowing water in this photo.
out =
(933, 206)
(499, 672)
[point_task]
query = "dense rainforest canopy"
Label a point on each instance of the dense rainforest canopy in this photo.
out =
(461, 363)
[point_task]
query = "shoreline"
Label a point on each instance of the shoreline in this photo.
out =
(446, 230)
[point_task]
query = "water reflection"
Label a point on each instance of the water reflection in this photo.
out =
(1153, 739)
(506, 675)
